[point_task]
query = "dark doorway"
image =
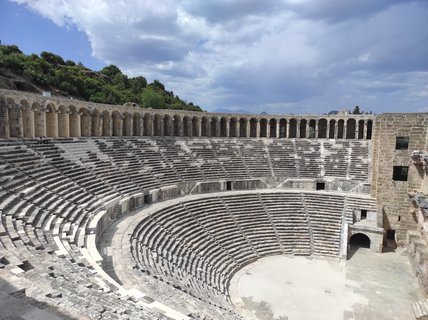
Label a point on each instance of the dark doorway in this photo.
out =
(390, 235)
(363, 214)
(147, 199)
(320, 185)
(359, 240)
(229, 185)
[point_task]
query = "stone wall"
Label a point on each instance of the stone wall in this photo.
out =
(27, 115)
(392, 196)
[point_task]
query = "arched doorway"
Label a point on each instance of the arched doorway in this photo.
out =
(359, 240)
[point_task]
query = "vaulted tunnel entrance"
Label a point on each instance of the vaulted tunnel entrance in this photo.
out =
(359, 240)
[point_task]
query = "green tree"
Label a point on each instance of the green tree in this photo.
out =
(150, 98)
(108, 85)
(111, 71)
(356, 110)
(156, 84)
(52, 58)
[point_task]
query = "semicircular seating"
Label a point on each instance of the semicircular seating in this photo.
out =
(198, 245)
(53, 194)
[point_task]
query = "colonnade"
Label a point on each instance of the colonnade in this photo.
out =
(58, 120)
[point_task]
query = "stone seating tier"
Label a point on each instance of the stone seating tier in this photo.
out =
(50, 193)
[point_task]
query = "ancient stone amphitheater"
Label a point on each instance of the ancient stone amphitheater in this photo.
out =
(129, 213)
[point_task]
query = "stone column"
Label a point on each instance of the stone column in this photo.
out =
(63, 124)
(258, 128)
(328, 129)
(151, 126)
(28, 123)
(180, 127)
(218, 128)
(316, 129)
(161, 126)
(268, 129)
(278, 128)
(247, 134)
(130, 126)
(364, 128)
(4, 120)
(228, 127)
(190, 127)
(307, 129)
(209, 127)
(110, 129)
(336, 129)
(238, 128)
(357, 126)
(75, 125)
(15, 122)
(52, 124)
(40, 122)
(298, 131)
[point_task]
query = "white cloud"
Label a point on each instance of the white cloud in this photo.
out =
(302, 56)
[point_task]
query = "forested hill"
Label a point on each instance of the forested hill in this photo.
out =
(49, 72)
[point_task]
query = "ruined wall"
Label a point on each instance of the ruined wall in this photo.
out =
(392, 196)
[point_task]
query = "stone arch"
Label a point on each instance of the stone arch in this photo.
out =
(51, 121)
(214, 127)
(136, 124)
(223, 127)
(293, 128)
(312, 129)
(187, 126)
(340, 129)
(196, 123)
(148, 125)
(302, 128)
(360, 240)
(272, 128)
(178, 126)
(243, 122)
(233, 128)
(85, 122)
(351, 127)
(63, 121)
(107, 119)
(263, 128)
(332, 131)
(126, 124)
(361, 129)
(167, 125)
(322, 128)
(96, 123)
(369, 129)
(158, 125)
(117, 123)
(39, 120)
(204, 127)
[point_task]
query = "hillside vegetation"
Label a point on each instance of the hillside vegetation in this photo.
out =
(49, 72)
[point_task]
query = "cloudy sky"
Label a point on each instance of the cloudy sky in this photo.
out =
(277, 56)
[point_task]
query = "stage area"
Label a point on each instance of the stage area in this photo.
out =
(367, 286)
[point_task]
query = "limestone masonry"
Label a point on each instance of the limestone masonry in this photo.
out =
(120, 212)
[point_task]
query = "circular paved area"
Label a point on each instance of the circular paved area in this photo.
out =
(367, 286)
